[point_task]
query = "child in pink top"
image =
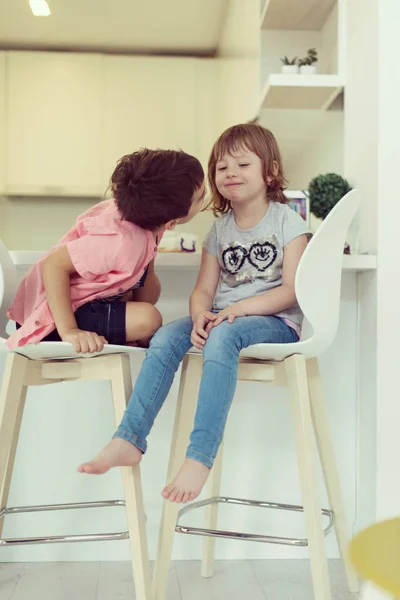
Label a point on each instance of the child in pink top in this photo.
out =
(98, 284)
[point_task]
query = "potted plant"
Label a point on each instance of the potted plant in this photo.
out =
(325, 191)
(306, 64)
(289, 65)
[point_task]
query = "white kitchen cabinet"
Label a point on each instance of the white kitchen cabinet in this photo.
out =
(54, 123)
(208, 107)
(149, 102)
(2, 120)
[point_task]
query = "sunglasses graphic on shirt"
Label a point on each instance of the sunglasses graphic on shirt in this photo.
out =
(260, 255)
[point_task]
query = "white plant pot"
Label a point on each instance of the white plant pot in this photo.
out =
(308, 70)
(290, 69)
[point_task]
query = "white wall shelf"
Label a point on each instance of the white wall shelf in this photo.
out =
(305, 15)
(356, 263)
(300, 91)
(188, 260)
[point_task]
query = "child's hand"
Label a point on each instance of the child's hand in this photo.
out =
(84, 341)
(229, 313)
(201, 326)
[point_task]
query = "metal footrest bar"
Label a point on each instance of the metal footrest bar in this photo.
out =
(59, 539)
(251, 537)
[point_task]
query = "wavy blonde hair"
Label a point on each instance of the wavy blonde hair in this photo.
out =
(262, 142)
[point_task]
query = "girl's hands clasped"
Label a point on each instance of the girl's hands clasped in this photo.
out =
(202, 324)
(230, 313)
(206, 320)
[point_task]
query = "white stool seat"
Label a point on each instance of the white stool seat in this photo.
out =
(65, 350)
(276, 352)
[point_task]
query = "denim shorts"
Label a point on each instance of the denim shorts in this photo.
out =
(105, 318)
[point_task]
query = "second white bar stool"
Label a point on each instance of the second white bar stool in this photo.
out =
(318, 286)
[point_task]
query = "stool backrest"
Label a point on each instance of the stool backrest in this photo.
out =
(8, 285)
(318, 277)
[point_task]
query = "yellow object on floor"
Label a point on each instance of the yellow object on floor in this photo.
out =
(375, 554)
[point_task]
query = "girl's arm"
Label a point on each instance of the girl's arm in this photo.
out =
(57, 269)
(202, 298)
(275, 300)
(207, 280)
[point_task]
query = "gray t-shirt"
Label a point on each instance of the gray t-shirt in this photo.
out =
(251, 260)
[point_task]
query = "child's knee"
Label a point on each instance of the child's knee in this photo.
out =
(151, 319)
(142, 321)
(221, 343)
(171, 335)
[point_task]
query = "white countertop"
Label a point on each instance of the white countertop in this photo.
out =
(168, 260)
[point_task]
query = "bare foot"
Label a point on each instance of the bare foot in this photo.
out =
(118, 453)
(188, 483)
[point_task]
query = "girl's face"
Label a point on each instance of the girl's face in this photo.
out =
(239, 178)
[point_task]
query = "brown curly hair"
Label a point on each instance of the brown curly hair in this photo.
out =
(262, 142)
(152, 187)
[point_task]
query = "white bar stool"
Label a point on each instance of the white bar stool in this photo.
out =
(53, 362)
(318, 285)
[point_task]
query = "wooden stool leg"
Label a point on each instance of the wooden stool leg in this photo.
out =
(12, 402)
(296, 373)
(331, 475)
(185, 408)
(121, 385)
(213, 490)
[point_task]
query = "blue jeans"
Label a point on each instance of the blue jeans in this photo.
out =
(218, 383)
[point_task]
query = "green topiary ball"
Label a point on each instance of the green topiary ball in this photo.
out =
(325, 191)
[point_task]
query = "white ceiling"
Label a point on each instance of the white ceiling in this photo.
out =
(156, 26)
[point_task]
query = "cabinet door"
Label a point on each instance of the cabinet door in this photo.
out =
(54, 123)
(2, 120)
(149, 102)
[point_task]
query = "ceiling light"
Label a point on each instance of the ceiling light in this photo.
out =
(40, 8)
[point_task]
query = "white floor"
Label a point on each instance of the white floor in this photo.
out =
(233, 580)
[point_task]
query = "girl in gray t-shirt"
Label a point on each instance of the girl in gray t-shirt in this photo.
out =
(244, 295)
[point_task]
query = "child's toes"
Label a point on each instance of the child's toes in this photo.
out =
(186, 497)
(178, 497)
(167, 491)
(174, 495)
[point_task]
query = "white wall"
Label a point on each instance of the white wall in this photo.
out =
(361, 102)
(329, 42)
(388, 406)
(311, 152)
(361, 145)
(323, 153)
(238, 53)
